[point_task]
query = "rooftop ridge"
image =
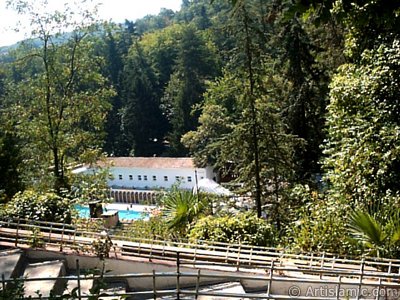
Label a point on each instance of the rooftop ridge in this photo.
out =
(152, 162)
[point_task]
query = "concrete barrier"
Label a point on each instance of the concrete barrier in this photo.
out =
(48, 269)
(11, 262)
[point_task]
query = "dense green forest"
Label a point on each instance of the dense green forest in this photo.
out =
(298, 100)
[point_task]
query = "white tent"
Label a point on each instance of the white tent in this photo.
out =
(210, 186)
(79, 170)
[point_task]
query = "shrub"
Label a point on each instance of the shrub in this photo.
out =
(47, 207)
(153, 228)
(245, 228)
(319, 224)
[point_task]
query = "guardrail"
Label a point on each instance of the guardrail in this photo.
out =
(326, 284)
(239, 256)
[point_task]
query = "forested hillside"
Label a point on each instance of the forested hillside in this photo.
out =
(277, 93)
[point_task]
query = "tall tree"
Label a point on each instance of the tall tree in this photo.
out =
(143, 124)
(362, 148)
(194, 65)
(308, 92)
(152, 23)
(10, 154)
(114, 47)
(161, 50)
(254, 141)
(363, 114)
(63, 102)
(368, 23)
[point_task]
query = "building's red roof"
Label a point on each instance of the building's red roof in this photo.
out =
(152, 162)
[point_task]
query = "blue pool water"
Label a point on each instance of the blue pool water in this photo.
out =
(123, 214)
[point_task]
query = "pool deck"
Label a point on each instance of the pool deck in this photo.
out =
(110, 208)
(135, 207)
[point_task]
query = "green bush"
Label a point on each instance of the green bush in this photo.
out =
(319, 224)
(153, 228)
(47, 207)
(245, 228)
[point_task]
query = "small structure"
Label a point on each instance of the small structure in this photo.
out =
(95, 209)
(110, 218)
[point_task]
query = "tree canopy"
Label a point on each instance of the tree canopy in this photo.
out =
(297, 101)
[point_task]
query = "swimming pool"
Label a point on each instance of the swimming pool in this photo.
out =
(124, 214)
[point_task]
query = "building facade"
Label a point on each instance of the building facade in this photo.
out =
(152, 173)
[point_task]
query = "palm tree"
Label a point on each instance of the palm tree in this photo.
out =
(180, 208)
(380, 239)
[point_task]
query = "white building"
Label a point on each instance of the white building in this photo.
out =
(149, 173)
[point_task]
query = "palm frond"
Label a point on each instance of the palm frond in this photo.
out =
(366, 229)
(393, 227)
(180, 208)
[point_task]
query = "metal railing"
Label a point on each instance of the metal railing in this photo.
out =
(201, 253)
(272, 285)
(278, 269)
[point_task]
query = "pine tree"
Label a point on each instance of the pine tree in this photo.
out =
(143, 124)
(194, 65)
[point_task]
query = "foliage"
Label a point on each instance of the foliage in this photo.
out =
(363, 119)
(114, 47)
(143, 124)
(369, 24)
(32, 205)
(87, 187)
(102, 246)
(379, 239)
(223, 138)
(180, 208)
(195, 64)
(160, 48)
(306, 96)
(318, 225)
(10, 152)
(10, 162)
(253, 142)
(218, 115)
(155, 23)
(154, 228)
(14, 291)
(60, 99)
(243, 228)
(99, 284)
(36, 240)
(243, 85)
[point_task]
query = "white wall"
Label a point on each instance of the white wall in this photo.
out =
(143, 178)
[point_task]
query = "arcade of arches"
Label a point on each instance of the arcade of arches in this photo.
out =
(134, 196)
